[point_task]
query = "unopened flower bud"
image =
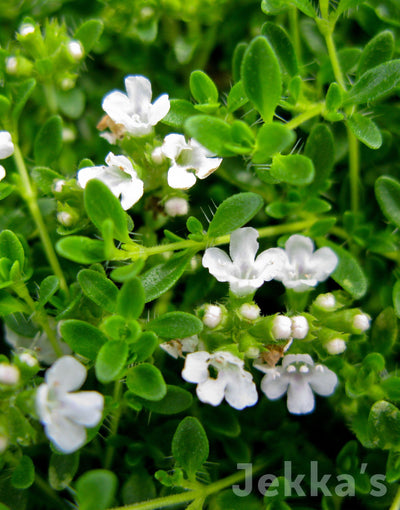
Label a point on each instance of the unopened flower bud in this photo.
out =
(65, 218)
(68, 135)
(253, 352)
(249, 311)
(335, 346)
(212, 316)
(75, 49)
(176, 206)
(9, 374)
(326, 301)
(361, 322)
(26, 29)
(3, 443)
(281, 327)
(299, 327)
(58, 185)
(28, 359)
(157, 156)
(11, 65)
(67, 84)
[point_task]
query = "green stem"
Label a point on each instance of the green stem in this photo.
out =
(295, 32)
(337, 70)
(396, 502)
(303, 117)
(273, 231)
(50, 493)
(185, 497)
(51, 98)
(109, 457)
(29, 195)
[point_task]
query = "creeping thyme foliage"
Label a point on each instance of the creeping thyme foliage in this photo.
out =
(200, 204)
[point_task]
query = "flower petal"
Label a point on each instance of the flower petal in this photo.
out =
(196, 367)
(300, 397)
(322, 263)
(243, 248)
(173, 145)
(275, 383)
(240, 391)
(66, 374)
(218, 263)
(2, 172)
(84, 407)
(244, 287)
(67, 435)
(6, 145)
(116, 105)
(207, 167)
(270, 263)
(323, 381)
(139, 93)
(212, 391)
(179, 178)
(122, 162)
(297, 358)
(159, 109)
(299, 250)
(131, 193)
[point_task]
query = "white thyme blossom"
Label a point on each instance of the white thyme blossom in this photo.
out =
(134, 110)
(40, 345)
(176, 206)
(9, 374)
(250, 311)
(119, 176)
(213, 315)
(281, 327)
(231, 381)
(177, 347)
(244, 272)
(26, 29)
(299, 377)
(361, 322)
(6, 145)
(75, 49)
(335, 346)
(304, 268)
(64, 414)
(326, 301)
(299, 327)
(188, 161)
(59, 185)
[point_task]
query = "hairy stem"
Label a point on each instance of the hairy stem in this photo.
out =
(109, 457)
(28, 193)
(307, 115)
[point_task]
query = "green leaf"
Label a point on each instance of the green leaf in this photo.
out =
(387, 191)
(261, 77)
(11, 247)
(146, 381)
(236, 97)
(345, 5)
(365, 130)
(384, 331)
(145, 346)
(175, 401)
(294, 169)
(71, 102)
(95, 489)
(124, 273)
(99, 289)
(48, 287)
(378, 50)
(180, 110)
(45, 178)
(384, 425)
(10, 305)
(83, 338)
(278, 6)
(160, 278)
(62, 469)
(234, 212)
(111, 360)
(396, 298)
(24, 474)
(237, 59)
(320, 148)
(190, 446)
(348, 272)
(101, 204)
(375, 84)
(282, 45)
(333, 100)
(89, 33)
(48, 141)
(211, 132)
(271, 139)
(131, 299)
(202, 87)
(81, 249)
(393, 467)
(175, 325)
(23, 92)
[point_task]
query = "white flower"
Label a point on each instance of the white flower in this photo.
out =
(6, 145)
(176, 206)
(119, 175)
(9, 374)
(361, 322)
(39, 344)
(299, 327)
(244, 272)
(134, 110)
(176, 348)
(303, 267)
(231, 381)
(335, 346)
(300, 378)
(250, 311)
(189, 160)
(64, 414)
